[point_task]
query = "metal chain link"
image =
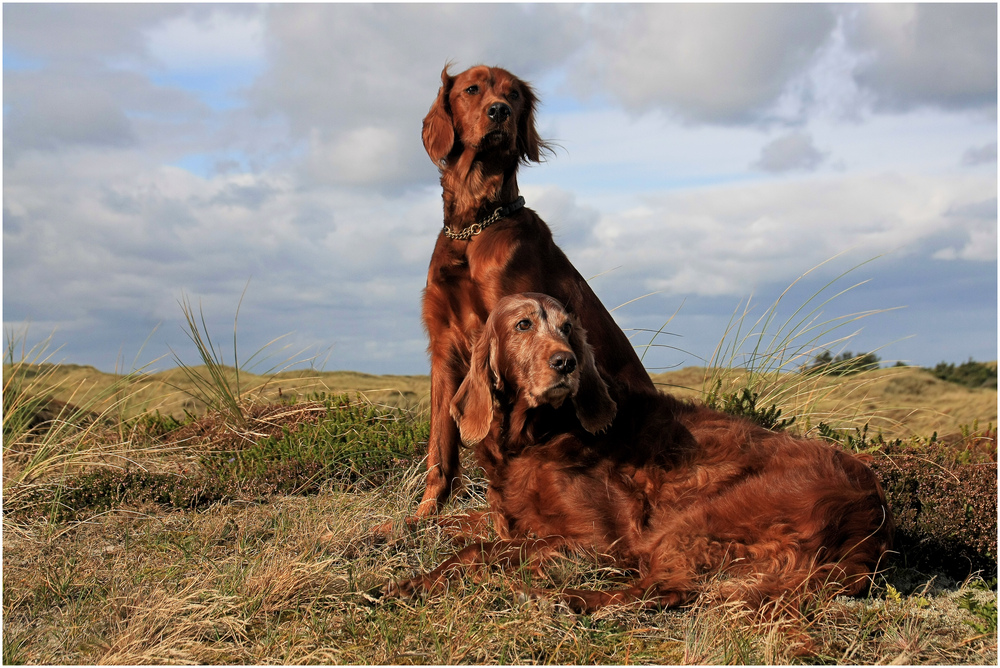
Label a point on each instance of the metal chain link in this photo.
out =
(479, 226)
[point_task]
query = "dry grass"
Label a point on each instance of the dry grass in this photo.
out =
(170, 392)
(283, 579)
(901, 401)
(284, 582)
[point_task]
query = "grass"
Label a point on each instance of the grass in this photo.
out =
(901, 401)
(45, 437)
(283, 581)
(266, 575)
(209, 515)
(773, 357)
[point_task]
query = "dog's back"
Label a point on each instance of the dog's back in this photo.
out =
(709, 494)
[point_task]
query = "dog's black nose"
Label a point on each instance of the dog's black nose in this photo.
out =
(499, 112)
(563, 362)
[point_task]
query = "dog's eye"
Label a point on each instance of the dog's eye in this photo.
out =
(514, 95)
(523, 325)
(472, 90)
(566, 329)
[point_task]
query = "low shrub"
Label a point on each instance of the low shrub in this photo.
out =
(86, 494)
(156, 426)
(944, 500)
(983, 613)
(942, 493)
(351, 441)
(843, 364)
(287, 451)
(743, 403)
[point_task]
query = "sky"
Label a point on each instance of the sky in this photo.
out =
(266, 160)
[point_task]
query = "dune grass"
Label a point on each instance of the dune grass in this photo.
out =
(901, 401)
(284, 581)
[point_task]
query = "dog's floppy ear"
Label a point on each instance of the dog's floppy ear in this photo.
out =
(472, 406)
(529, 145)
(594, 406)
(439, 130)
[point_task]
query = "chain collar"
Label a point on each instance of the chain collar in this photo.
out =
(480, 225)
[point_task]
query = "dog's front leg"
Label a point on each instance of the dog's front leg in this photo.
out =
(442, 447)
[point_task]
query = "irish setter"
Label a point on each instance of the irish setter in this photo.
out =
(479, 130)
(680, 494)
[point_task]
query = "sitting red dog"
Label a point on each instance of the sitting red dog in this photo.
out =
(676, 492)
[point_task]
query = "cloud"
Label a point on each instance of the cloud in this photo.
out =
(67, 106)
(61, 111)
(979, 221)
(85, 34)
(739, 64)
(375, 156)
(151, 150)
(572, 223)
(114, 229)
(942, 55)
(196, 41)
(724, 240)
(711, 63)
(791, 152)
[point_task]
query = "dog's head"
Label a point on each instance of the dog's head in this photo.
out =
(483, 110)
(533, 351)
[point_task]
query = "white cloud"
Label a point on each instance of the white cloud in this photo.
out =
(716, 63)
(726, 239)
(977, 220)
(928, 54)
(337, 70)
(90, 34)
(981, 155)
(981, 246)
(367, 155)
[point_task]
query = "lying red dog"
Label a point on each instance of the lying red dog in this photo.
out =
(678, 493)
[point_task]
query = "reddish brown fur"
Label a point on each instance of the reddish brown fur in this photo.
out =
(478, 157)
(676, 492)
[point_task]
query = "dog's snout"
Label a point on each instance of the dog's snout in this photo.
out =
(499, 112)
(563, 362)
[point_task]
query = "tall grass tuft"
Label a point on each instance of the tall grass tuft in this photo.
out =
(45, 439)
(763, 361)
(219, 386)
(220, 390)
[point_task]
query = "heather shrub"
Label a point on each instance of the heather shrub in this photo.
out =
(350, 441)
(942, 493)
(87, 494)
(743, 403)
(944, 500)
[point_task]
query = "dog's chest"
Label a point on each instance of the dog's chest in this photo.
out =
(452, 301)
(470, 276)
(449, 265)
